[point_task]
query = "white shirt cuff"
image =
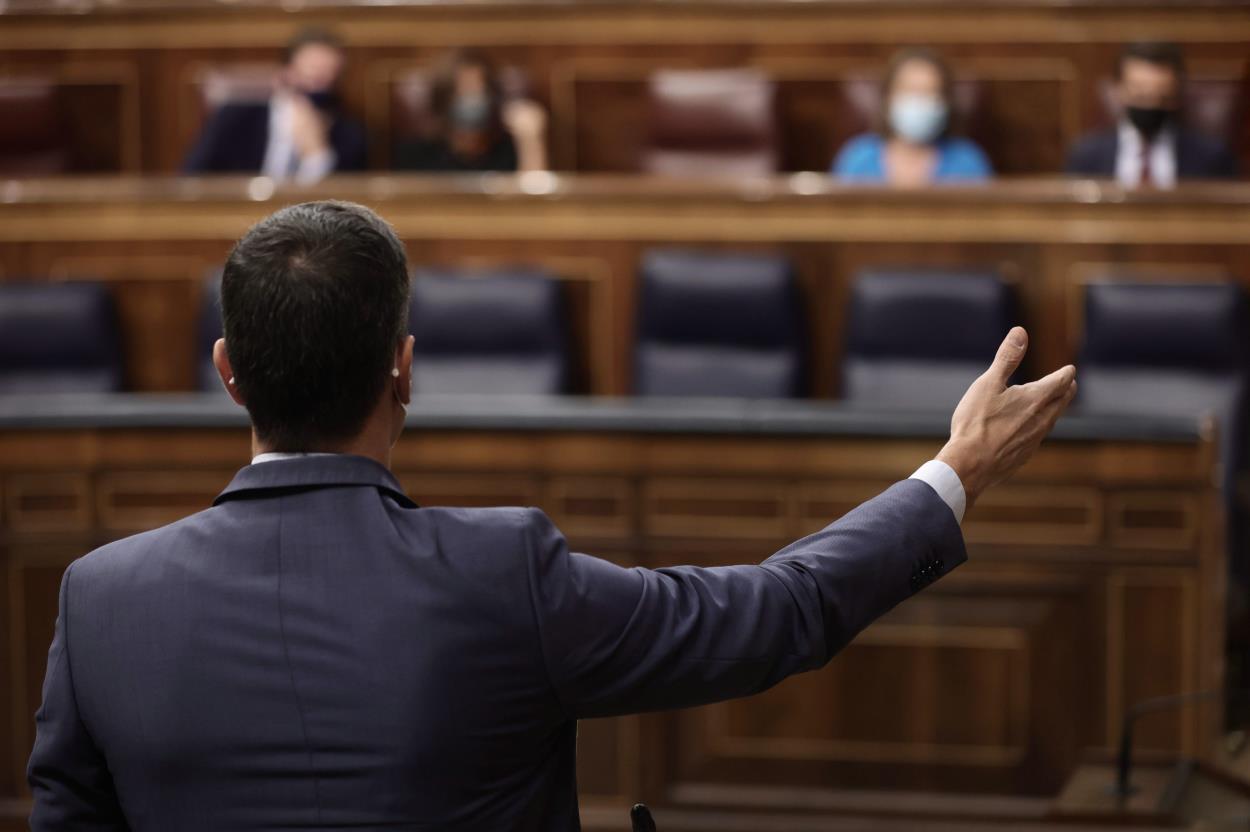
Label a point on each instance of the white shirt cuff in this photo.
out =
(943, 479)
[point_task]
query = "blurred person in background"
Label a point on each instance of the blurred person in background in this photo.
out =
(300, 133)
(1150, 145)
(915, 142)
(473, 126)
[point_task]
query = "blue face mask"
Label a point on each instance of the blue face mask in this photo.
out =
(470, 111)
(918, 119)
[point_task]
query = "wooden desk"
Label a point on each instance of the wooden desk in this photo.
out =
(131, 69)
(1095, 580)
(153, 240)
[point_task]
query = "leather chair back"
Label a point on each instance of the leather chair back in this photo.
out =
(1164, 348)
(58, 338)
(718, 324)
(32, 129)
(918, 337)
(711, 122)
(1175, 349)
(503, 331)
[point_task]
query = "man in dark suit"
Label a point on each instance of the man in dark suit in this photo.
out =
(315, 651)
(300, 133)
(1151, 146)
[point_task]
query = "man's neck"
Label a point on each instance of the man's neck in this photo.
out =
(373, 441)
(362, 445)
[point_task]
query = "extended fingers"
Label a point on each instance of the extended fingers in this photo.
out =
(1054, 408)
(1010, 353)
(1051, 387)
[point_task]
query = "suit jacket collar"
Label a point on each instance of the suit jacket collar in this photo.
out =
(312, 472)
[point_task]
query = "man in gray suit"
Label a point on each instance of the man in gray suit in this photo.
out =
(317, 652)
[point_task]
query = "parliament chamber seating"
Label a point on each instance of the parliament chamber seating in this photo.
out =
(58, 338)
(718, 324)
(496, 332)
(1025, 96)
(1176, 349)
(711, 122)
(1096, 577)
(1168, 349)
(918, 337)
(32, 128)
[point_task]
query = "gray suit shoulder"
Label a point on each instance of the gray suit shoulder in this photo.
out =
(514, 525)
(130, 554)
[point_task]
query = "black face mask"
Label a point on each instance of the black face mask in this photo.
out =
(327, 101)
(1150, 120)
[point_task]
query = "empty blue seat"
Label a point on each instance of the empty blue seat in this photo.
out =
(1163, 348)
(716, 324)
(503, 331)
(58, 338)
(916, 338)
(1174, 349)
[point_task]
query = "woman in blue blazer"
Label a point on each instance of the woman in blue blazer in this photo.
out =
(914, 144)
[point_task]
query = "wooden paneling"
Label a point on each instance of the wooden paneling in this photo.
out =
(998, 680)
(1151, 617)
(47, 502)
(1041, 64)
(593, 508)
(975, 670)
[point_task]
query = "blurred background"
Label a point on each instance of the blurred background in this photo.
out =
(697, 277)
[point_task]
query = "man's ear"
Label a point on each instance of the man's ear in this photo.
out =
(403, 363)
(222, 362)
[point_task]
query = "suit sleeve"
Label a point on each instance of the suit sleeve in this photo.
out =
(69, 778)
(203, 157)
(351, 146)
(1081, 160)
(1226, 166)
(619, 640)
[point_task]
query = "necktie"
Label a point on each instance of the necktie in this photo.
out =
(1145, 180)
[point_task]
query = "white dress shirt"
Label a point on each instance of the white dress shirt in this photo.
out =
(282, 161)
(937, 475)
(274, 456)
(1129, 161)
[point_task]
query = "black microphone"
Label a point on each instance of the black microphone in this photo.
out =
(1124, 762)
(641, 818)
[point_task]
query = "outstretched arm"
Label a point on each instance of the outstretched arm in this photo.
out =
(620, 640)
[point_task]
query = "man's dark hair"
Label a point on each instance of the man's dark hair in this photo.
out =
(314, 303)
(309, 36)
(1157, 52)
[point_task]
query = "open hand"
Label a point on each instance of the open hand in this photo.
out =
(524, 119)
(997, 428)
